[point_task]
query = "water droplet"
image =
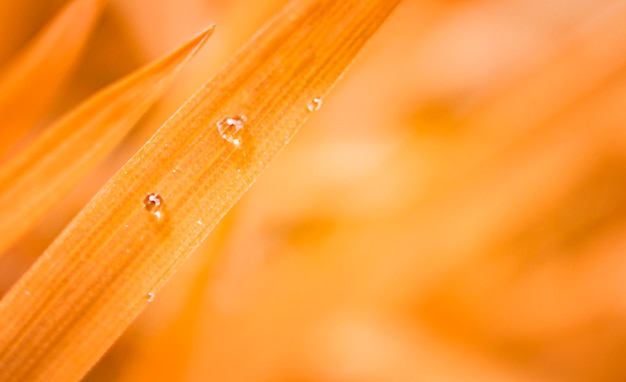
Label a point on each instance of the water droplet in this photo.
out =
(199, 222)
(315, 104)
(153, 204)
(150, 297)
(230, 128)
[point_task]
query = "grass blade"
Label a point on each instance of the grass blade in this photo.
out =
(102, 270)
(34, 181)
(29, 83)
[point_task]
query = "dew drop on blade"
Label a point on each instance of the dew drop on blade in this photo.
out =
(150, 297)
(231, 129)
(153, 203)
(315, 104)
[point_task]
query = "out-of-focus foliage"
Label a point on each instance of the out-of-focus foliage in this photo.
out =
(455, 211)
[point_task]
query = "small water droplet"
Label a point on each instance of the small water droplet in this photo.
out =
(230, 128)
(150, 297)
(199, 222)
(315, 104)
(153, 204)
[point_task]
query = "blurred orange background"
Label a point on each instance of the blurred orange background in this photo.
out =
(456, 211)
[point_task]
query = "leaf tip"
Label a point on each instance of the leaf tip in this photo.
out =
(201, 39)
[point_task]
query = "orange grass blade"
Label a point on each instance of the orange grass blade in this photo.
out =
(29, 84)
(178, 331)
(102, 270)
(33, 182)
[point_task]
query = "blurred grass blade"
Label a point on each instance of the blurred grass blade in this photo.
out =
(34, 181)
(102, 270)
(31, 81)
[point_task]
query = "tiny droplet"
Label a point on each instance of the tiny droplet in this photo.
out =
(199, 222)
(230, 128)
(315, 104)
(150, 297)
(153, 204)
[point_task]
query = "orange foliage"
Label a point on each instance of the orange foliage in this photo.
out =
(454, 211)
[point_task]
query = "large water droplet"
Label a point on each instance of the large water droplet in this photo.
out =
(230, 128)
(153, 203)
(315, 104)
